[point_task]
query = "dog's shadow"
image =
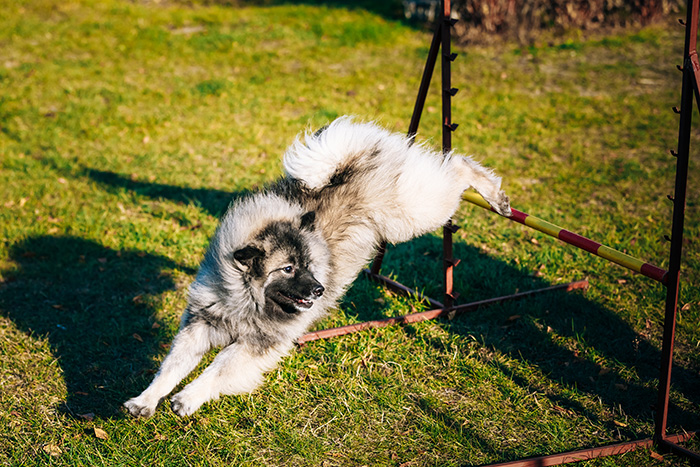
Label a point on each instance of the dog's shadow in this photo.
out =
(96, 308)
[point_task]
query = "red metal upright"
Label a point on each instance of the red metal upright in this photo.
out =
(690, 71)
(448, 127)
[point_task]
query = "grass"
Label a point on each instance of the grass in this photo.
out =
(126, 128)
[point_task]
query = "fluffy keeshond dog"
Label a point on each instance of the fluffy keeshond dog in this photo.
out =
(281, 257)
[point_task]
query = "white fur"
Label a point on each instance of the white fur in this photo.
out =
(365, 185)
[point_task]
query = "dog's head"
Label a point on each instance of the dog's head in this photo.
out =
(279, 261)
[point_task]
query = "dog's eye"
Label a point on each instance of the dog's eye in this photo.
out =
(288, 269)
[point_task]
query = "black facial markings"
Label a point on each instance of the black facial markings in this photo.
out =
(283, 236)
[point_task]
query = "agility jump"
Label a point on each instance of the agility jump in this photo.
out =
(669, 278)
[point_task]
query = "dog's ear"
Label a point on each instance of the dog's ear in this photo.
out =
(247, 255)
(307, 220)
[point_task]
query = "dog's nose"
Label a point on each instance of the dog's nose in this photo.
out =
(318, 291)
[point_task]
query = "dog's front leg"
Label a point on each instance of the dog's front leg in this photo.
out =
(188, 347)
(237, 369)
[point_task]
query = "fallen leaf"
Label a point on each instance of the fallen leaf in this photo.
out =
(52, 450)
(514, 317)
(100, 433)
(81, 393)
(62, 181)
(657, 456)
(534, 241)
(619, 423)
(603, 371)
(155, 325)
(686, 307)
(137, 337)
(87, 416)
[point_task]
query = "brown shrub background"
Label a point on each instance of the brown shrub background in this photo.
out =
(522, 19)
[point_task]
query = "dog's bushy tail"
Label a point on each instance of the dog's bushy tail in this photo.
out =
(315, 158)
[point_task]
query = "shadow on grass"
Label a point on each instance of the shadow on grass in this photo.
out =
(94, 305)
(565, 336)
(213, 202)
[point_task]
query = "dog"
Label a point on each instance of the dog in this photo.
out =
(283, 256)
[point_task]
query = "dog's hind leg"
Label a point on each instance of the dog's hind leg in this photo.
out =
(485, 182)
(187, 350)
(237, 369)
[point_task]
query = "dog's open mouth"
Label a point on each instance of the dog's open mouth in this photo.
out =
(300, 302)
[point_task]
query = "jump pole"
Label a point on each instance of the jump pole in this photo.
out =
(579, 241)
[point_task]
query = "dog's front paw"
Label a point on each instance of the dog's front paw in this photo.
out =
(138, 408)
(185, 404)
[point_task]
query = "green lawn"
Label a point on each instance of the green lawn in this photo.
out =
(127, 127)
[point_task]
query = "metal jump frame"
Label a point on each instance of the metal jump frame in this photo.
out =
(669, 278)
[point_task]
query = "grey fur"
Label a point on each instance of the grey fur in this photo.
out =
(281, 257)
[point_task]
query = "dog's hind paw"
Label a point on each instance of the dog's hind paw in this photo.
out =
(501, 204)
(139, 410)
